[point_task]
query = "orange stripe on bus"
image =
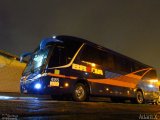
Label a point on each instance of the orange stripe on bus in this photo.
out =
(61, 76)
(113, 82)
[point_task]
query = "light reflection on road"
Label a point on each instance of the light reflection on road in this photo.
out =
(3, 97)
(43, 107)
(6, 98)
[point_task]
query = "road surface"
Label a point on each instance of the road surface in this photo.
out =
(15, 107)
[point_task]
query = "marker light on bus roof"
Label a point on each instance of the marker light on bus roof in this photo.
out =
(54, 37)
(48, 40)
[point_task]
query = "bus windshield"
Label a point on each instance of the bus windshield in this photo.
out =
(61, 53)
(37, 61)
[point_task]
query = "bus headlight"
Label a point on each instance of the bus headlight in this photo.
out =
(150, 85)
(37, 86)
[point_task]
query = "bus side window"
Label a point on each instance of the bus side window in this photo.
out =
(108, 61)
(151, 75)
(138, 66)
(97, 56)
(91, 54)
(122, 64)
(58, 57)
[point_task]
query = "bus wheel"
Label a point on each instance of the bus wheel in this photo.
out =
(139, 98)
(80, 93)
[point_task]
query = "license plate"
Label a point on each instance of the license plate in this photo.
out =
(54, 83)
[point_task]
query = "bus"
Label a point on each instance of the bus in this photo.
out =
(77, 68)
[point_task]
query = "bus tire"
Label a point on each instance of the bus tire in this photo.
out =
(80, 92)
(139, 98)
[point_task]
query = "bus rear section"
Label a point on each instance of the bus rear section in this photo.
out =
(116, 76)
(69, 66)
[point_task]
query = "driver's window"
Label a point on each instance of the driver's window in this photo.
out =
(58, 57)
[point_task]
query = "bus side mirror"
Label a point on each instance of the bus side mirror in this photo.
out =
(24, 55)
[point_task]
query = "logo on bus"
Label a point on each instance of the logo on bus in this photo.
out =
(87, 69)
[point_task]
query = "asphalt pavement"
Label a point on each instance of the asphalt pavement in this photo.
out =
(16, 106)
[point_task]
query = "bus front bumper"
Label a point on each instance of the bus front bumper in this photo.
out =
(45, 86)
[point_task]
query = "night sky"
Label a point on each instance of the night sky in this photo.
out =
(130, 27)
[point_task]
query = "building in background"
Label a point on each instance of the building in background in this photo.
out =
(10, 72)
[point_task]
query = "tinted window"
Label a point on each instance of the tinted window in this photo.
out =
(58, 57)
(71, 49)
(71, 45)
(64, 52)
(138, 66)
(97, 56)
(91, 54)
(108, 60)
(151, 75)
(123, 64)
(140, 73)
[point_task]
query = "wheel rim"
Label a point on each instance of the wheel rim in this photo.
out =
(79, 92)
(140, 97)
